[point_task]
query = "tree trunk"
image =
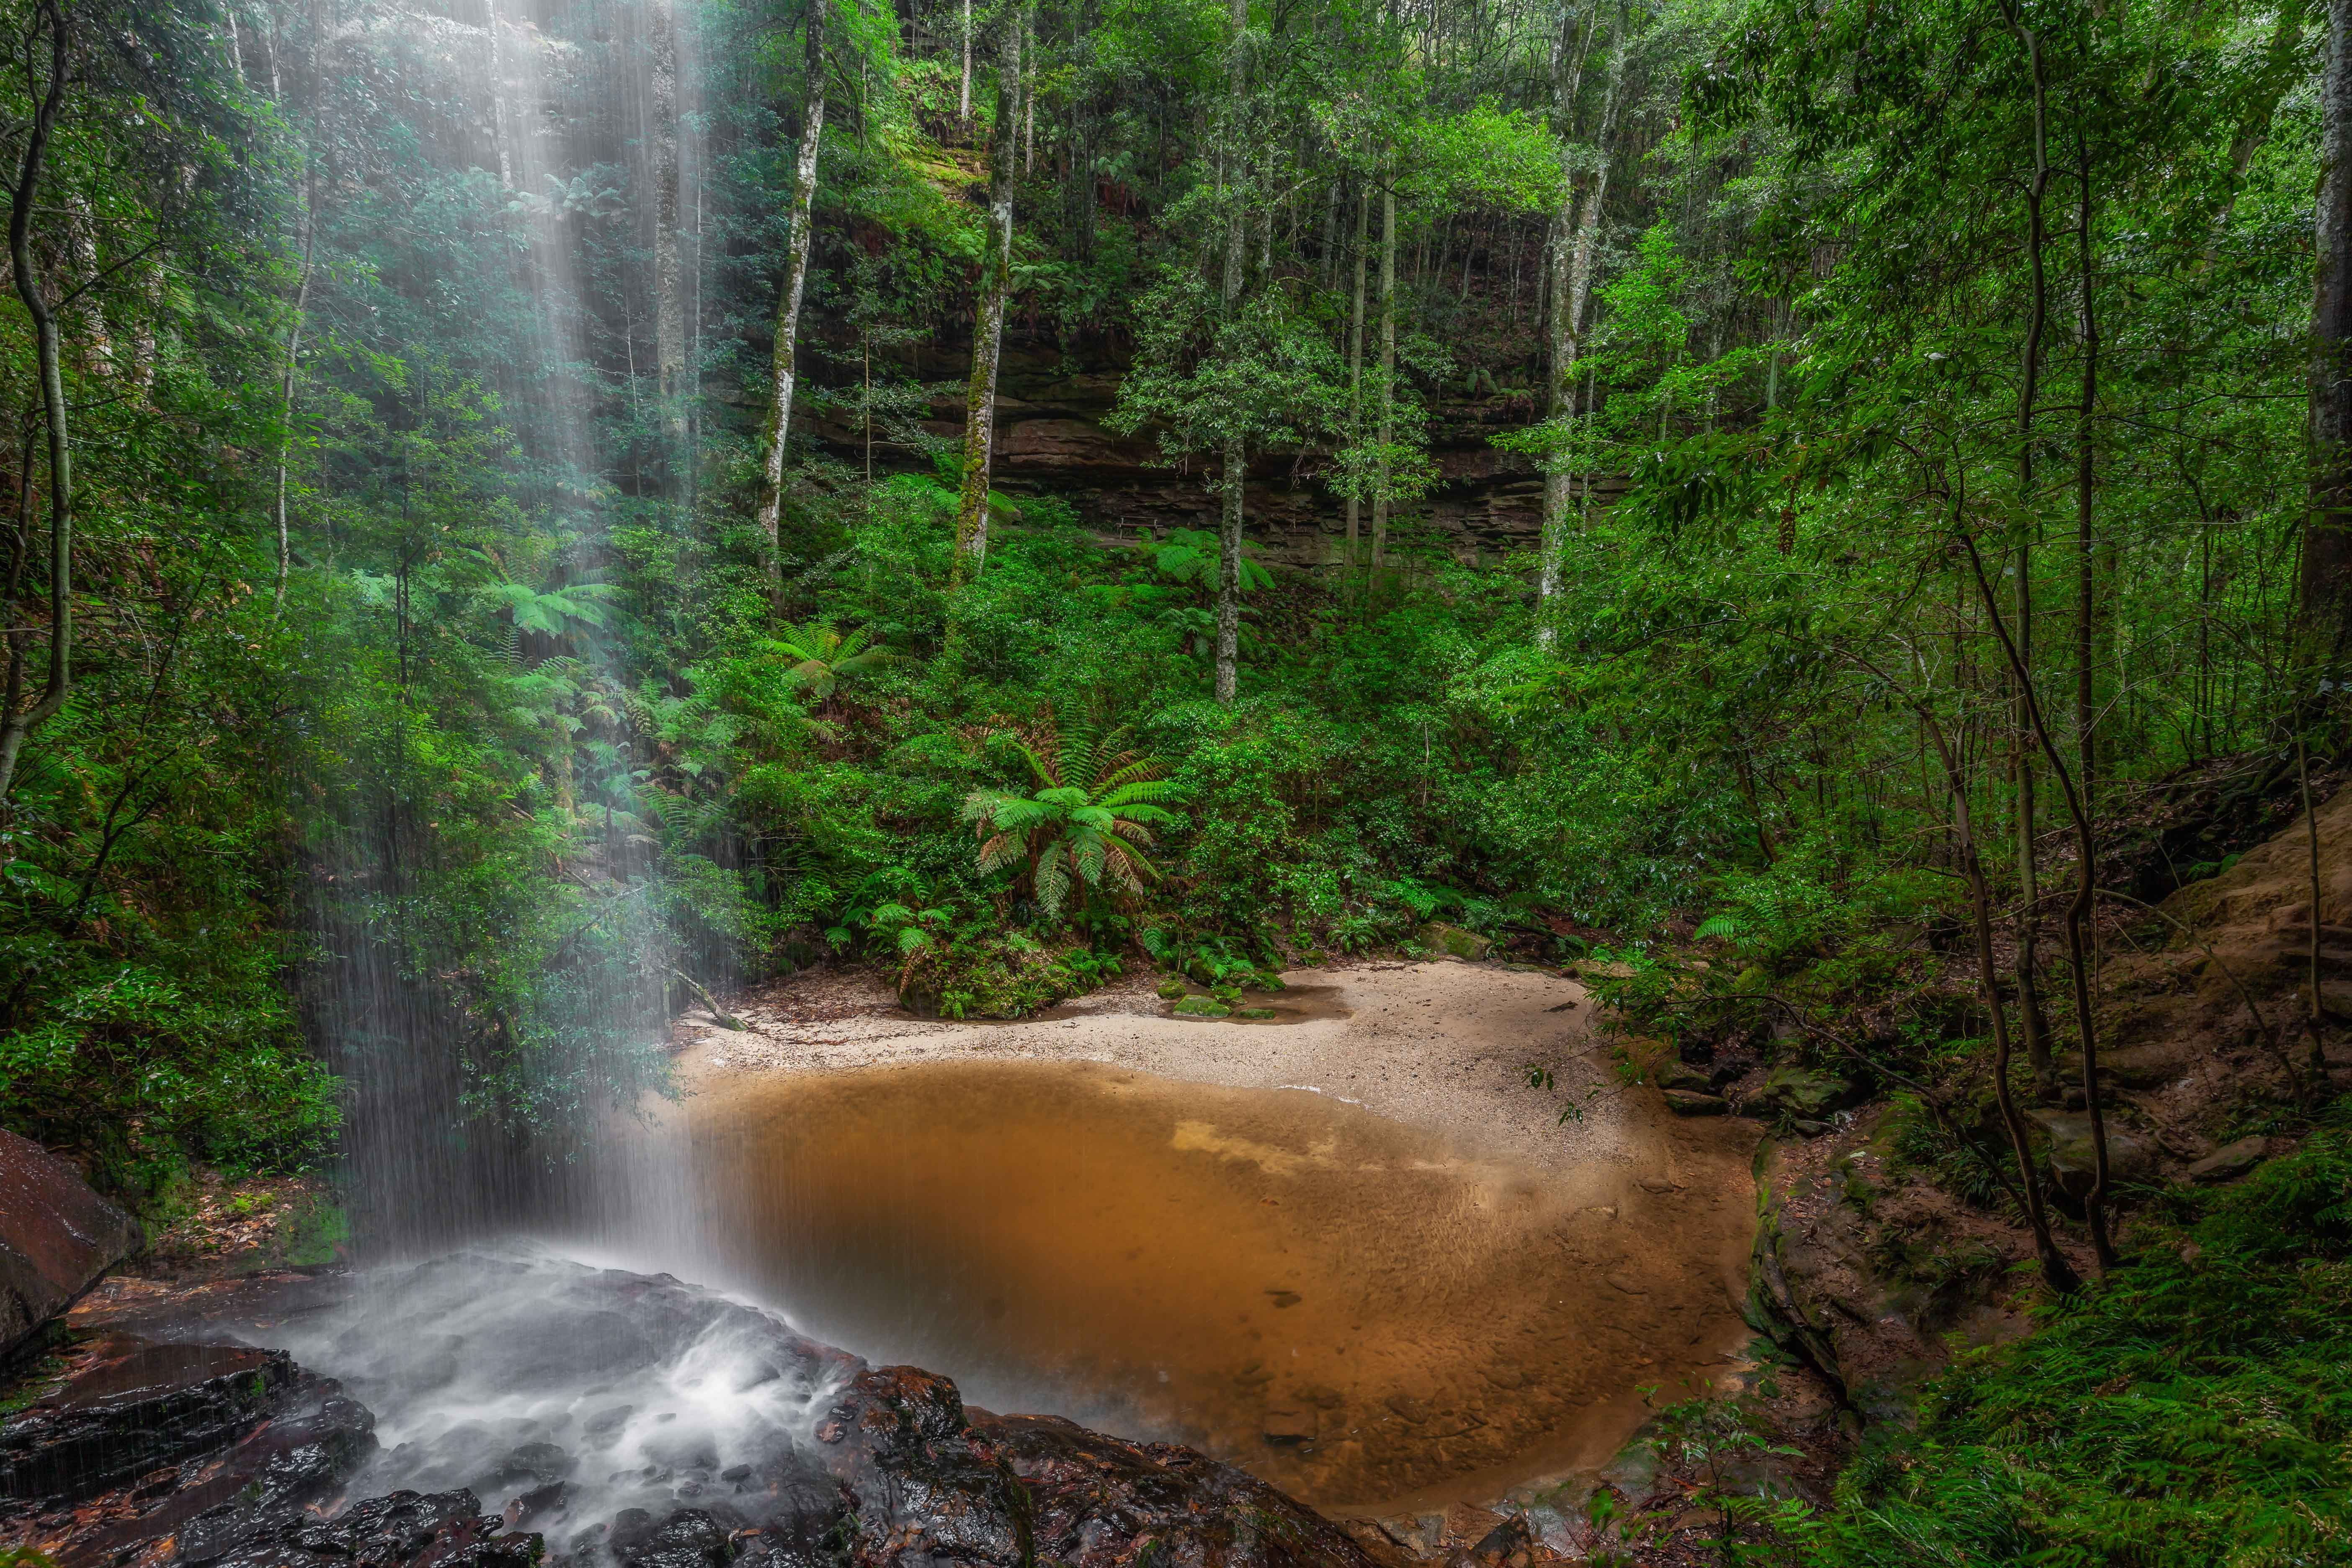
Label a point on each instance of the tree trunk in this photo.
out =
(988, 323)
(1236, 463)
(788, 298)
(498, 132)
(1570, 47)
(669, 302)
(2328, 533)
(2057, 1272)
(285, 386)
(15, 727)
(1356, 365)
(963, 85)
(2085, 486)
(2028, 921)
(1388, 369)
(1572, 290)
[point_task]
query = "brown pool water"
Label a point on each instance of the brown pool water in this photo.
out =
(1356, 1310)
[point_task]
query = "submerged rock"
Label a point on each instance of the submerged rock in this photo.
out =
(57, 1237)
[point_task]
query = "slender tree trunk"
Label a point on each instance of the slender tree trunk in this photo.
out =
(286, 385)
(788, 298)
(2057, 1272)
(498, 97)
(1236, 458)
(1356, 365)
(2028, 923)
(48, 16)
(669, 302)
(1570, 44)
(988, 325)
(963, 85)
(2326, 566)
(2085, 486)
(2316, 1015)
(1388, 368)
(2078, 910)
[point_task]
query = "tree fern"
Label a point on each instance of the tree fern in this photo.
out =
(1087, 822)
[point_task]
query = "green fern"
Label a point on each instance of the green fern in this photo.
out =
(1087, 823)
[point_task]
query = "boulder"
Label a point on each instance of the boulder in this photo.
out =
(2230, 1160)
(1799, 1091)
(2072, 1159)
(1454, 942)
(57, 1237)
(897, 1474)
(2138, 1067)
(1690, 1102)
(1201, 1007)
(1108, 1504)
(1682, 1075)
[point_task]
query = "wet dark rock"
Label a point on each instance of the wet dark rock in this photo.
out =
(405, 1529)
(900, 1475)
(57, 1237)
(1102, 1502)
(689, 1538)
(130, 1406)
(302, 1443)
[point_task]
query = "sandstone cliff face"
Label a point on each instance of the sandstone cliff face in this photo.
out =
(1051, 438)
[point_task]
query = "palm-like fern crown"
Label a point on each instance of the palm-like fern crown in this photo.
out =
(1089, 818)
(824, 657)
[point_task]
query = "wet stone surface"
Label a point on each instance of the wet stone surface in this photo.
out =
(840, 1466)
(57, 1237)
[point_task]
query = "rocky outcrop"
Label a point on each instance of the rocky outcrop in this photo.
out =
(1052, 439)
(153, 1453)
(57, 1237)
(936, 1484)
(1862, 1279)
(146, 1452)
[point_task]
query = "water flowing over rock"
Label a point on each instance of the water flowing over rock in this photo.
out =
(529, 1405)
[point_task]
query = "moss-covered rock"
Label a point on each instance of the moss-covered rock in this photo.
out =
(1201, 1007)
(1803, 1093)
(1455, 943)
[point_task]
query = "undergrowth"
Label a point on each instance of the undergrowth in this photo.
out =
(2194, 1409)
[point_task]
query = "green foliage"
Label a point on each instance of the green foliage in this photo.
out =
(2192, 1409)
(1087, 819)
